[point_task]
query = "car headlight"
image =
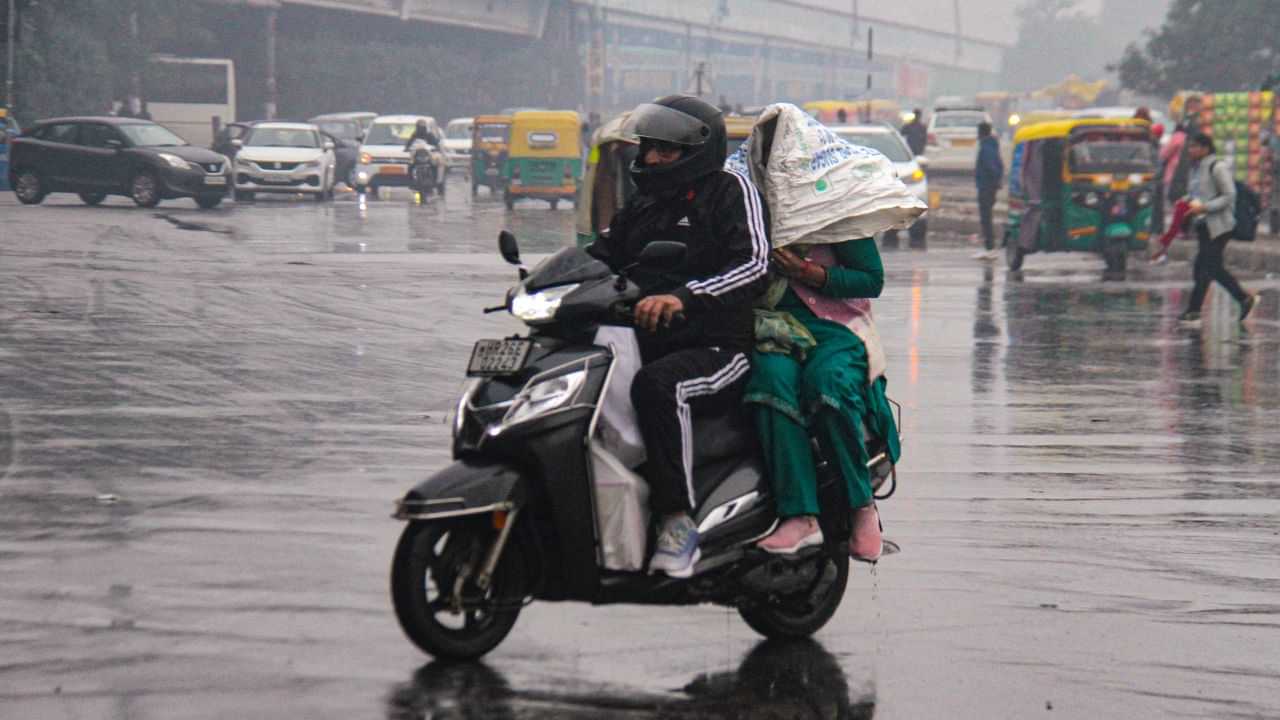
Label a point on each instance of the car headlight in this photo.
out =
(242, 162)
(311, 164)
(174, 161)
(1144, 198)
(542, 396)
(366, 159)
(540, 306)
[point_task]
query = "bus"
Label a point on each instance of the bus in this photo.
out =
(188, 95)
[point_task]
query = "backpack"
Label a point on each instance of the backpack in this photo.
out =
(1247, 211)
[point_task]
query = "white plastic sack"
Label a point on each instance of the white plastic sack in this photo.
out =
(622, 507)
(819, 187)
(619, 427)
(622, 496)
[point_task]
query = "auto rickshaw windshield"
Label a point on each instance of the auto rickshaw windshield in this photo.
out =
(1111, 152)
(493, 132)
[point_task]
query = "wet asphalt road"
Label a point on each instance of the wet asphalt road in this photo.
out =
(205, 417)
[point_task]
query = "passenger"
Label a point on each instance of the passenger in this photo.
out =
(700, 364)
(814, 374)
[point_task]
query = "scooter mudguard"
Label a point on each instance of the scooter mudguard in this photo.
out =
(467, 487)
(1118, 230)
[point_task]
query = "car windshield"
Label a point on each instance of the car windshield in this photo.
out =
(281, 137)
(1113, 154)
(458, 131)
(345, 129)
(958, 120)
(887, 143)
(148, 135)
(495, 133)
(389, 133)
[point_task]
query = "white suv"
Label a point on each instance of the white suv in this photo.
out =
(953, 138)
(457, 144)
(383, 161)
(890, 143)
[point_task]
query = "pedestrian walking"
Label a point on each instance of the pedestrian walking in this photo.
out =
(988, 173)
(915, 133)
(1211, 191)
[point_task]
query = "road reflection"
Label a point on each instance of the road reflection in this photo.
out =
(796, 680)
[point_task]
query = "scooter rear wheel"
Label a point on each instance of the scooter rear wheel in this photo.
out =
(427, 563)
(802, 614)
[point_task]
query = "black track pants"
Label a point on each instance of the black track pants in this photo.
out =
(1210, 266)
(667, 392)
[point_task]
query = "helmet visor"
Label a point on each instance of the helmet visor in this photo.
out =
(659, 122)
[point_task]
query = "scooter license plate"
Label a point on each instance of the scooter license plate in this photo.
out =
(499, 357)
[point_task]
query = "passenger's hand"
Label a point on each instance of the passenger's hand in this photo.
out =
(657, 310)
(797, 268)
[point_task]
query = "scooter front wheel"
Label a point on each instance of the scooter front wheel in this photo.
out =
(436, 599)
(803, 613)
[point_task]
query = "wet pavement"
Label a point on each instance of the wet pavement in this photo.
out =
(205, 417)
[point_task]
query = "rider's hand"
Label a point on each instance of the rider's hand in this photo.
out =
(797, 268)
(657, 309)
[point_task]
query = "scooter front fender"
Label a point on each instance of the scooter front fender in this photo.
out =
(467, 487)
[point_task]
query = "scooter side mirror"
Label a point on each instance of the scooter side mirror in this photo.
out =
(508, 247)
(662, 255)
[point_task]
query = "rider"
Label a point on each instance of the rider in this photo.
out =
(695, 323)
(422, 131)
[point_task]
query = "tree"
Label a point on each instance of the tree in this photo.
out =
(1055, 39)
(1212, 45)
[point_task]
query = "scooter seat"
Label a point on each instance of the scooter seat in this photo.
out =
(722, 435)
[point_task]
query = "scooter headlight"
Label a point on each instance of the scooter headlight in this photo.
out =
(540, 306)
(1091, 199)
(542, 396)
(1144, 198)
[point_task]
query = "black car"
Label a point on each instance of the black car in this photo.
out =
(100, 156)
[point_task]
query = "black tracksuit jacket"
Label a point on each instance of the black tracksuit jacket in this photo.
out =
(723, 222)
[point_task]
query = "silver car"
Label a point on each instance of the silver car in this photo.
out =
(890, 143)
(282, 157)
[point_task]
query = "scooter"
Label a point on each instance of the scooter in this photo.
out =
(425, 169)
(530, 508)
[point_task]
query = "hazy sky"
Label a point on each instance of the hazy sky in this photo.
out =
(988, 19)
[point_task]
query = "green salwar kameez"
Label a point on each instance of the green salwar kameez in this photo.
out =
(823, 390)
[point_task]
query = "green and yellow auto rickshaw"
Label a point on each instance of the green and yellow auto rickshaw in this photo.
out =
(490, 143)
(545, 161)
(606, 184)
(1082, 185)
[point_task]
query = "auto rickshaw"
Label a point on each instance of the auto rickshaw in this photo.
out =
(1083, 185)
(490, 143)
(606, 184)
(855, 111)
(545, 161)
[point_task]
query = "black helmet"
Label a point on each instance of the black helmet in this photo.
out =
(694, 124)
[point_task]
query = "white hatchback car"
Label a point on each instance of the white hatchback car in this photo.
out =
(953, 138)
(281, 157)
(890, 143)
(383, 161)
(457, 144)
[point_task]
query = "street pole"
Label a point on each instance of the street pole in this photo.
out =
(273, 93)
(8, 67)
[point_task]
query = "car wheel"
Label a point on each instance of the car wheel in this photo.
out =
(555, 204)
(93, 198)
(145, 189)
(29, 188)
(244, 196)
(918, 232)
(208, 202)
